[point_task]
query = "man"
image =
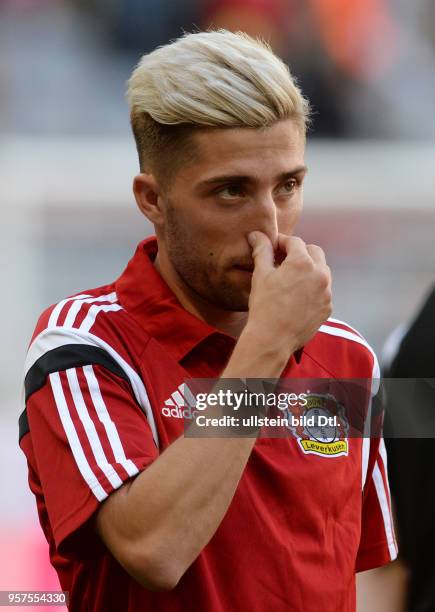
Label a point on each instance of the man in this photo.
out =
(138, 516)
(409, 354)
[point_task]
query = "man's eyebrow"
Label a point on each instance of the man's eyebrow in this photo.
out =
(242, 178)
(292, 173)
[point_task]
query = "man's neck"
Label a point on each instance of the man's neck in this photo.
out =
(230, 322)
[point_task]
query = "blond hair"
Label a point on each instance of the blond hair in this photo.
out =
(216, 79)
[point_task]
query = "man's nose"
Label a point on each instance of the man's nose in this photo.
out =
(265, 218)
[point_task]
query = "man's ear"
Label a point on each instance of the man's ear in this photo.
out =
(147, 194)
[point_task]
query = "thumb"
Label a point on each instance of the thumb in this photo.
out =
(262, 250)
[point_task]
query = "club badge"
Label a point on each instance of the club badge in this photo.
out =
(320, 427)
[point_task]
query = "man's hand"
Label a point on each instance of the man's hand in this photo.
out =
(288, 302)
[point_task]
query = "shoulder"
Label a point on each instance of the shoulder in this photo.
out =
(90, 328)
(87, 325)
(71, 312)
(345, 349)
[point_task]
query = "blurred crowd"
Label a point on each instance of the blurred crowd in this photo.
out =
(367, 66)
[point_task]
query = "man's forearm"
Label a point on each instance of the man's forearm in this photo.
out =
(157, 525)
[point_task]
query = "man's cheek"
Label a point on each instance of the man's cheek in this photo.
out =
(287, 223)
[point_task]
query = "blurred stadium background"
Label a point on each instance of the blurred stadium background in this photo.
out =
(67, 158)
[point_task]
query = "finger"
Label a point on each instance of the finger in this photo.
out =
(317, 254)
(262, 250)
(291, 245)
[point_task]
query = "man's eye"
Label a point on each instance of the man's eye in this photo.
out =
(288, 187)
(231, 191)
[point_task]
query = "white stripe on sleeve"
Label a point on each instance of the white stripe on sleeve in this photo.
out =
(365, 460)
(52, 321)
(343, 333)
(93, 311)
(109, 425)
(375, 383)
(385, 509)
(383, 458)
(73, 439)
(50, 339)
(75, 307)
(332, 320)
(383, 454)
(91, 433)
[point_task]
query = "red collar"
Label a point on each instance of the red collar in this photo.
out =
(148, 299)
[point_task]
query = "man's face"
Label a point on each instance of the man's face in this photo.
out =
(244, 180)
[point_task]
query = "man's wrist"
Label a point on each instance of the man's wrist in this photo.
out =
(257, 357)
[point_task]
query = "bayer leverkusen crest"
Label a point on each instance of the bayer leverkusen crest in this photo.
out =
(321, 428)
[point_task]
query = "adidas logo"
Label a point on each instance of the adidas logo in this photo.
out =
(180, 404)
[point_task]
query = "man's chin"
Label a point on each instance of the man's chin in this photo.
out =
(233, 299)
(236, 307)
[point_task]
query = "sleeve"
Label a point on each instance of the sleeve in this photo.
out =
(378, 542)
(89, 436)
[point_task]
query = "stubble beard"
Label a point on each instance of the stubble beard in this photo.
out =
(199, 271)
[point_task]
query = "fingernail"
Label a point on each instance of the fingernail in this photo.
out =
(252, 237)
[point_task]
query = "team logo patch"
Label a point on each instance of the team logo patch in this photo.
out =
(322, 427)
